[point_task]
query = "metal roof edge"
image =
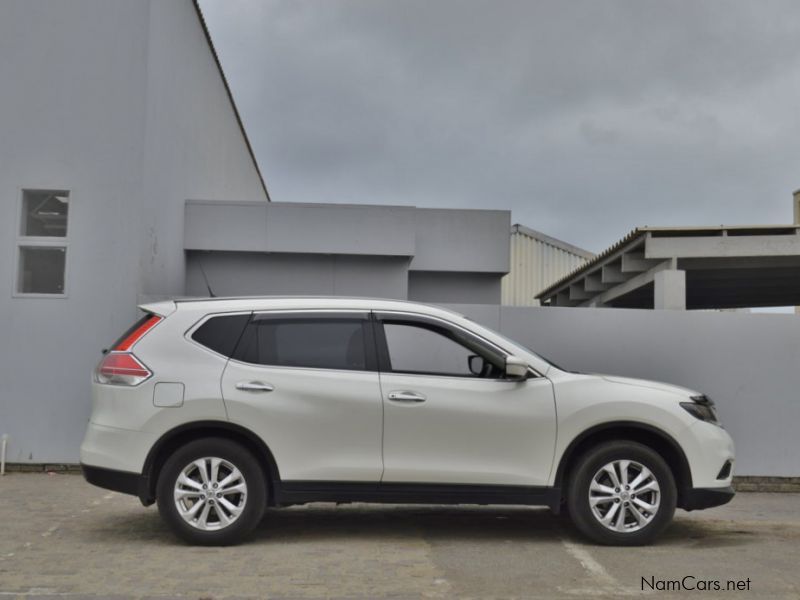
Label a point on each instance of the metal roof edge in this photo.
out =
(547, 239)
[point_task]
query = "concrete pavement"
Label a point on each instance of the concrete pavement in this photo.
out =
(62, 538)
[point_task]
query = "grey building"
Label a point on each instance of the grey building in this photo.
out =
(433, 255)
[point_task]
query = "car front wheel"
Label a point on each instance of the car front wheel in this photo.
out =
(621, 493)
(211, 492)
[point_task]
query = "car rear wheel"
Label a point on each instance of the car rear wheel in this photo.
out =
(621, 493)
(211, 491)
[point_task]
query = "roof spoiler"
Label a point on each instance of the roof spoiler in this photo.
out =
(162, 309)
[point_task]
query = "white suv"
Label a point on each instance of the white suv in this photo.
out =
(217, 408)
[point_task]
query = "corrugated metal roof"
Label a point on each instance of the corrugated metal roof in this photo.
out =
(632, 235)
(679, 231)
(543, 237)
(536, 260)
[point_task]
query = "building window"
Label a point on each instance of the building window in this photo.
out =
(42, 243)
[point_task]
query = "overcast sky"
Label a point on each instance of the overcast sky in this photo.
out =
(585, 119)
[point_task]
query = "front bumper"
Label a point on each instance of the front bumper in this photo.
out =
(708, 447)
(699, 498)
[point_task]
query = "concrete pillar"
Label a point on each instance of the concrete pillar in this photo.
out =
(796, 204)
(670, 290)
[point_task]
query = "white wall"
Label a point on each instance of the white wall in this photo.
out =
(747, 363)
(71, 117)
(121, 103)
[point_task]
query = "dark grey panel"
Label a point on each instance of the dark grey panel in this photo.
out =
(472, 288)
(254, 274)
(462, 240)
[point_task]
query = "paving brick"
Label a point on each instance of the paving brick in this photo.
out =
(65, 539)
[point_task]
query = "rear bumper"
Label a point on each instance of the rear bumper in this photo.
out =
(118, 481)
(699, 498)
(115, 449)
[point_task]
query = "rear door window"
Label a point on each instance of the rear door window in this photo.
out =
(315, 341)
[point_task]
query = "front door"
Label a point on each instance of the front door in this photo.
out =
(307, 384)
(449, 415)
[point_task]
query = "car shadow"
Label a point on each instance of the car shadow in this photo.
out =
(325, 522)
(696, 533)
(319, 522)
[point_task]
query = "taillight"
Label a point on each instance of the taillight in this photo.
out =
(121, 368)
(138, 333)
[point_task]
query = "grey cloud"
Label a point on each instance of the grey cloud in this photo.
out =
(584, 118)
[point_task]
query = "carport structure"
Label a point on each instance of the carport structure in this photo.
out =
(688, 268)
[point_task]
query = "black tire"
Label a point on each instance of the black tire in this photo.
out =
(254, 501)
(578, 494)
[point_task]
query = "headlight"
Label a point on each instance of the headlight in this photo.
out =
(701, 407)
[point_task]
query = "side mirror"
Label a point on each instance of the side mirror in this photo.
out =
(516, 368)
(476, 364)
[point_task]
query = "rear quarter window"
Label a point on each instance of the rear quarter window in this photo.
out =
(222, 333)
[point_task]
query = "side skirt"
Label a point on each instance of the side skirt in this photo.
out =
(302, 492)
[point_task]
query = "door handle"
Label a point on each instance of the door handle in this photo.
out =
(254, 386)
(405, 396)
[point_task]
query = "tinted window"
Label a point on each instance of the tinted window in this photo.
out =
(221, 334)
(315, 342)
(420, 348)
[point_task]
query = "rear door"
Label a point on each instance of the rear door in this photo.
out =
(307, 383)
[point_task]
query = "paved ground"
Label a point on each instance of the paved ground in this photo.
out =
(62, 538)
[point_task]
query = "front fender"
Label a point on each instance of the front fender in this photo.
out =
(587, 404)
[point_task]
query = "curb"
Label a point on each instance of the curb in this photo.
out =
(43, 468)
(750, 483)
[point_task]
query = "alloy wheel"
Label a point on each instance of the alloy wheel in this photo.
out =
(624, 496)
(210, 493)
